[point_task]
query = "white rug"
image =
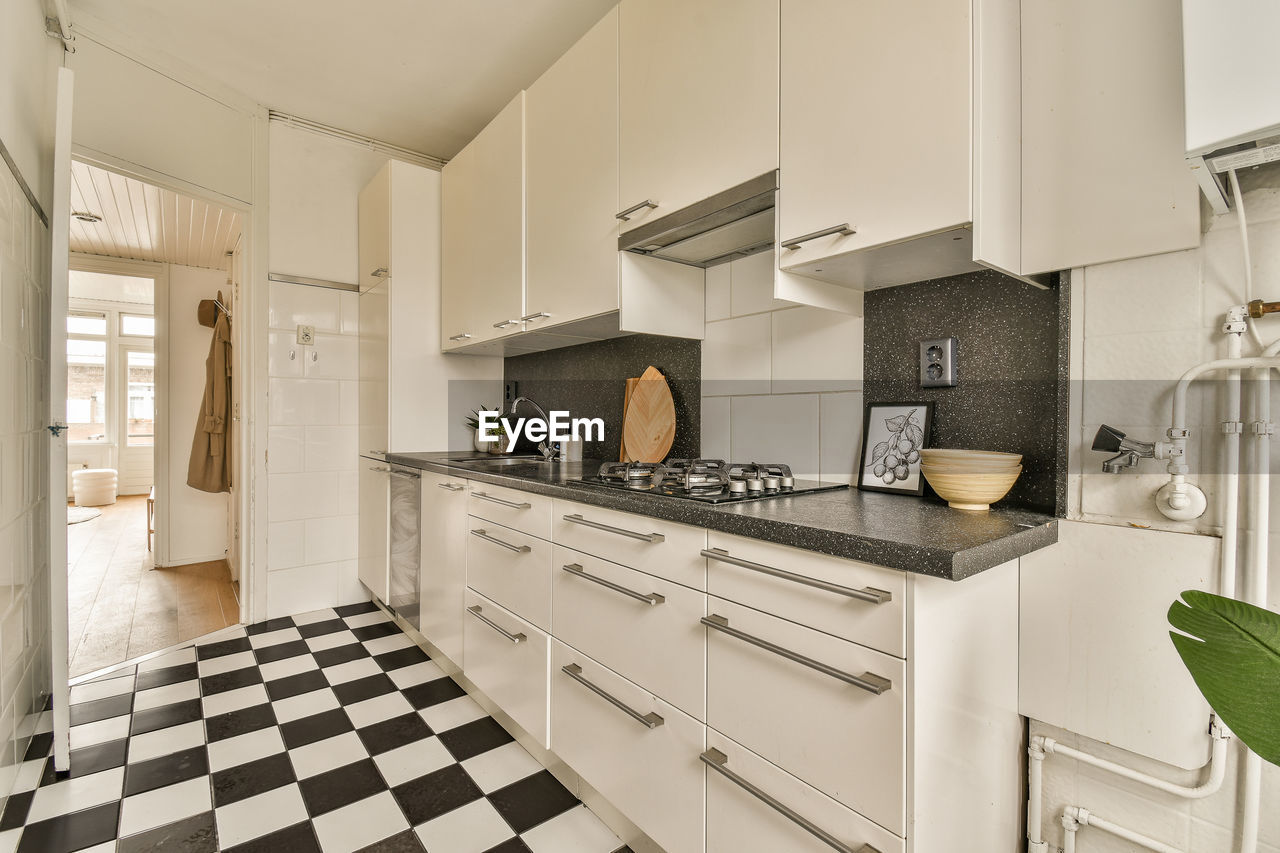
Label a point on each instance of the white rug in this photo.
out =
(77, 514)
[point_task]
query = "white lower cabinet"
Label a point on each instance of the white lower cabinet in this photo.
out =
(512, 568)
(639, 752)
(443, 574)
(508, 659)
(752, 805)
(654, 546)
(830, 711)
(373, 566)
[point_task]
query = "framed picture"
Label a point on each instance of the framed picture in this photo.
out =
(892, 435)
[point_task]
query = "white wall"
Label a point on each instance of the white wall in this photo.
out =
(780, 383)
(28, 80)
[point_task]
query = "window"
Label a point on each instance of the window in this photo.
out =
(87, 324)
(86, 389)
(138, 325)
(141, 398)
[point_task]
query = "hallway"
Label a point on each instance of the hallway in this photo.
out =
(121, 607)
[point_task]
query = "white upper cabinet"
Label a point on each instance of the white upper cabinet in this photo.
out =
(572, 182)
(483, 233)
(698, 99)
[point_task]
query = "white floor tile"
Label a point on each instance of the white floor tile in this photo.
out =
(379, 708)
(412, 760)
(328, 754)
(407, 676)
(9, 840)
(324, 614)
(232, 633)
(500, 767)
(165, 805)
(371, 618)
(451, 714)
(382, 645)
(248, 819)
(226, 663)
(44, 723)
(575, 831)
(175, 658)
(101, 689)
(304, 705)
(240, 749)
(274, 638)
(351, 670)
(474, 828)
(72, 795)
(331, 640)
(104, 847)
(165, 741)
(102, 731)
(167, 695)
(28, 776)
(360, 824)
(287, 667)
(234, 700)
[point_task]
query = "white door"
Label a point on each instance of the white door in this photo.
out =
(60, 226)
(135, 418)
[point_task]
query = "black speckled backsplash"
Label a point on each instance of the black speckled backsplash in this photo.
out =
(590, 380)
(1012, 370)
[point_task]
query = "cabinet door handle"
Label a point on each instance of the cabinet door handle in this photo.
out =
(461, 336)
(380, 272)
(719, 762)
(842, 229)
(609, 528)
(504, 323)
(649, 720)
(867, 593)
(408, 475)
(453, 487)
(538, 316)
(486, 497)
(868, 681)
(648, 598)
(474, 610)
(625, 215)
(518, 549)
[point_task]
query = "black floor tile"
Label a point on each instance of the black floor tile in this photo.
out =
(405, 842)
(252, 778)
(280, 651)
(533, 800)
(474, 738)
(212, 685)
(166, 716)
(352, 692)
(226, 647)
(355, 609)
(376, 630)
(75, 831)
(303, 682)
(407, 656)
(307, 730)
(341, 787)
(318, 629)
(196, 834)
(15, 810)
(396, 732)
(278, 624)
(433, 692)
(91, 759)
(166, 770)
(353, 650)
(239, 722)
(168, 675)
(101, 709)
(39, 746)
(511, 845)
(432, 795)
(299, 838)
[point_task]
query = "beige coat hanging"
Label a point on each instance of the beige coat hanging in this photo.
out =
(210, 467)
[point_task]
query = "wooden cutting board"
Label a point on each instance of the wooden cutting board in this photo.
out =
(649, 426)
(622, 443)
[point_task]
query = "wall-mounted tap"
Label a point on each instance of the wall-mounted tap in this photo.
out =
(549, 451)
(1128, 450)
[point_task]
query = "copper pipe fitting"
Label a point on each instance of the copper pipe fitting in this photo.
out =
(1258, 308)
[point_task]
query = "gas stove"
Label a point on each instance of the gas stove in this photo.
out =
(708, 480)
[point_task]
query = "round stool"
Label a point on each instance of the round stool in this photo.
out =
(94, 486)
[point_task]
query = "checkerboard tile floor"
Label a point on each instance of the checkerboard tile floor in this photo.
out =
(326, 732)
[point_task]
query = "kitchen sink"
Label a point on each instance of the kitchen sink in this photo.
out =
(498, 461)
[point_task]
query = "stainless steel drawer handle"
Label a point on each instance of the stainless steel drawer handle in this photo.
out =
(868, 681)
(491, 499)
(719, 762)
(648, 598)
(474, 610)
(461, 336)
(453, 487)
(518, 549)
(867, 593)
(625, 215)
(502, 324)
(609, 528)
(842, 229)
(408, 475)
(380, 272)
(649, 720)
(541, 315)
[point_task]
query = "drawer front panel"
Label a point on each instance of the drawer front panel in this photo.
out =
(854, 600)
(656, 547)
(511, 508)
(512, 568)
(648, 769)
(805, 702)
(644, 627)
(508, 659)
(738, 819)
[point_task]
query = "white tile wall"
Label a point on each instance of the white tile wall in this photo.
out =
(780, 383)
(311, 451)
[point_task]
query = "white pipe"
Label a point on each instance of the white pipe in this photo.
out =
(64, 24)
(1083, 817)
(1231, 471)
(1214, 771)
(1035, 783)
(1248, 258)
(1180, 390)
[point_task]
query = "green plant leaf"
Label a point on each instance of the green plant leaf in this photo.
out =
(1232, 650)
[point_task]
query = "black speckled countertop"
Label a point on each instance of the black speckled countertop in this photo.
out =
(897, 531)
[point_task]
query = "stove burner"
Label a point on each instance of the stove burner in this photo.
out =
(709, 480)
(770, 477)
(695, 476)
(633, 475)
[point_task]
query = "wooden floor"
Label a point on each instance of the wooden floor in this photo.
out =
(122, 607)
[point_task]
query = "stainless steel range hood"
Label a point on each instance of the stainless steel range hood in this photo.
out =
(729, 225)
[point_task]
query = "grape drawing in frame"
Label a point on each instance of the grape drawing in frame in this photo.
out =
(892, 437)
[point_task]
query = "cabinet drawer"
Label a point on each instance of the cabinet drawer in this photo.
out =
(508, 659)
(644, 627)
(640, 753)
(794, 703)
(661, 548)
(511, 508)
(738, 819)
(854, 600)
(512, 568)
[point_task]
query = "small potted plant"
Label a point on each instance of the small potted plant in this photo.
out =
(473, 422)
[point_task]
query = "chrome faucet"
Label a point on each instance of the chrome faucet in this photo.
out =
(1128, 450)
(549, 451)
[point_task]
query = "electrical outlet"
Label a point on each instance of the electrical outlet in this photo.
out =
(938, 363)
(306, 335)
(510, 390)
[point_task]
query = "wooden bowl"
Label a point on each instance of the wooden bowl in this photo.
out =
(969, 490)
(973, 460)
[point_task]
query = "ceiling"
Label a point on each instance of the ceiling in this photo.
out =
(147, 223)
(422, 74)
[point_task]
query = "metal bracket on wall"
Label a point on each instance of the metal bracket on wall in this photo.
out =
(312, 282)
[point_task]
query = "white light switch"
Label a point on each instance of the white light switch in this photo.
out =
(306, 335)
